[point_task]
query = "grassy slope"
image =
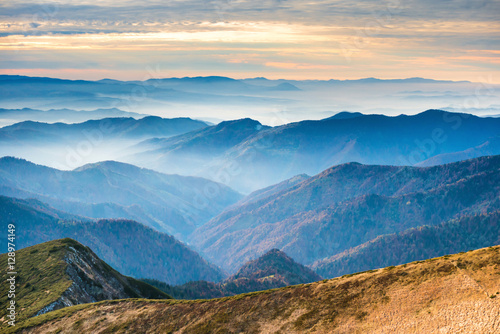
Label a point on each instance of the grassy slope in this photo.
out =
(42, 277)
(455, 293)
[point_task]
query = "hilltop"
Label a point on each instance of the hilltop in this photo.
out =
(274, 269)
(454, 293)
(62, 273)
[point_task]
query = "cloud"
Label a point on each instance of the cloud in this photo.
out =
(323, 37)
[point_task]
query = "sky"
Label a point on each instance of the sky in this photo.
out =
(334, 39)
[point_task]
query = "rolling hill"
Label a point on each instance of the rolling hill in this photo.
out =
(130, 247)
(168, 203)
(452, 294)
(346, 206)
(63, 273)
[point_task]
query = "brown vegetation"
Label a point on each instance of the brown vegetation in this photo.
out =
(452, 294)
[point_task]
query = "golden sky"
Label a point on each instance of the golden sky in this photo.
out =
(336, 39)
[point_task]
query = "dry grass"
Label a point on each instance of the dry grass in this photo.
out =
(452, 294)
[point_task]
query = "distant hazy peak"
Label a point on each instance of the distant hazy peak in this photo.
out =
(346, 115)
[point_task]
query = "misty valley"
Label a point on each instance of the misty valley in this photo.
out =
(134, 222)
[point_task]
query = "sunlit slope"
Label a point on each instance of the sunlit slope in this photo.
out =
(452, 294)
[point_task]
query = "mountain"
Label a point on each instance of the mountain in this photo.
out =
(72, 274)
(192, 152)
(271, 155)
(276, 263)
(116, 127)
(345, 115)
(67, 146)
(11, 116)
(169, 203)
(346, 206)
(147, 96)
(129, 247)
(456, 293)
(489, 147)
(272, 270)
(457, 235)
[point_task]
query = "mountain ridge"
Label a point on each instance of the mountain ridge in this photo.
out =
(347, 204)
(458, 292)
(130, 247)
(73, 275)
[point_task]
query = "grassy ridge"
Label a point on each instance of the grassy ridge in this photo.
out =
(458, 291)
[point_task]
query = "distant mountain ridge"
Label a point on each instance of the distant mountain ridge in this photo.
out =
(130, 247)
(169, 203)
(489, 147)
(11, 116)
(116, 127)
(271, 155)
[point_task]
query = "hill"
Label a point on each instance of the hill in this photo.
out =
(346, 206)
(455, 293)
(271, 155)
(62, 273)
(168, 203)
(457, 235)
(272, 270)
(130, 247)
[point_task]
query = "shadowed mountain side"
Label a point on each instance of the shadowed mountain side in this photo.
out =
(457, 235)
(72, 274)
(169, 203)
(130, 247)
(459, 293)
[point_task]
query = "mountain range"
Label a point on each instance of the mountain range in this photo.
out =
(62, 273)
(261, 156)
(11, 116)
(246, 155)
(169, 203)
(67, 146)
(269, 101)
(128, 246)
(455, 293)
(346, 206)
